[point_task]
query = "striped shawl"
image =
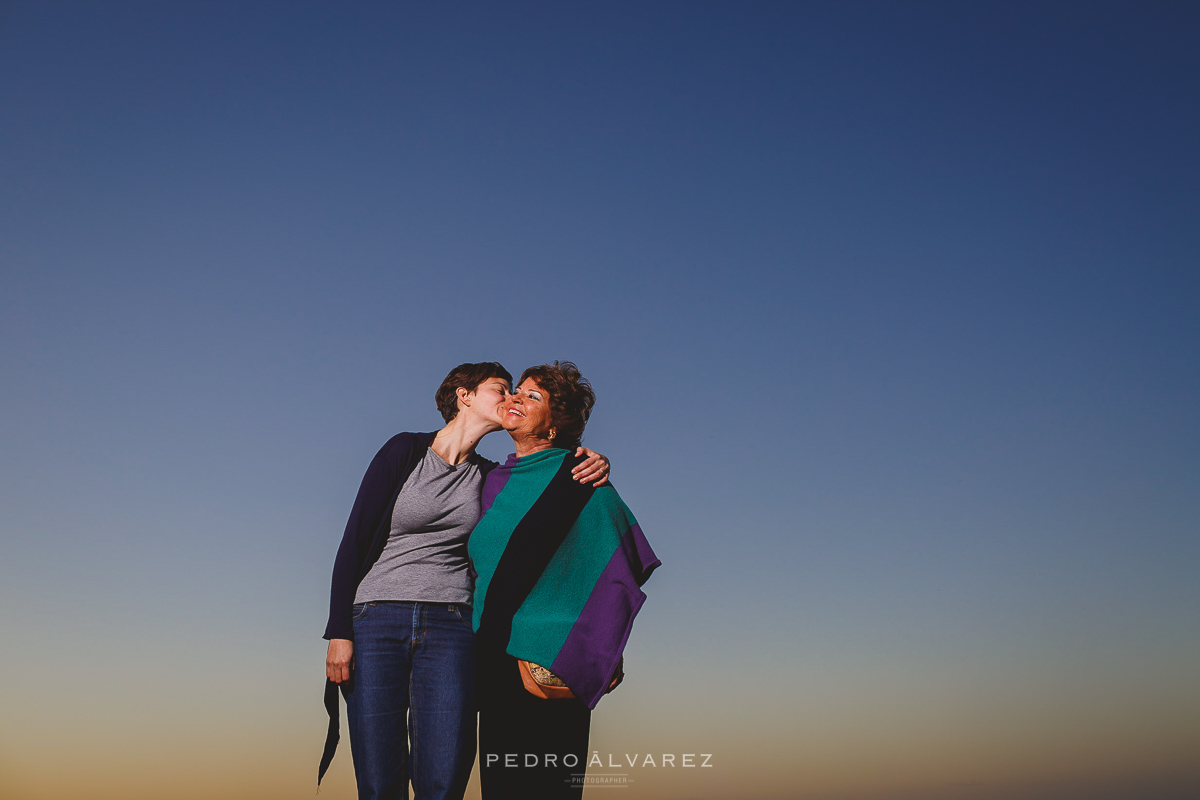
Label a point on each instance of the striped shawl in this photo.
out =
(560, 568)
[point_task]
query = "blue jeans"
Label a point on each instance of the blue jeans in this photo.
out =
(413, 681)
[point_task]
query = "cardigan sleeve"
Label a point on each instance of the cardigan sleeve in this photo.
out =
(374, 494)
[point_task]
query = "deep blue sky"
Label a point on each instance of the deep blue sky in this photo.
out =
(891, 310)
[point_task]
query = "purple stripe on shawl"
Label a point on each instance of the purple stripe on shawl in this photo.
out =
(492, 485)
(589, 656)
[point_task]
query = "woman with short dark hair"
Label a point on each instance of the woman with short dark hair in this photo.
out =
(400, 641)
(560, 568)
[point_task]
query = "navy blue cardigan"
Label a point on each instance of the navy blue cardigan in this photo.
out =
(370, 523)
(367, 532)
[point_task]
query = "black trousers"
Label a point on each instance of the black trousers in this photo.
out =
(528, 747)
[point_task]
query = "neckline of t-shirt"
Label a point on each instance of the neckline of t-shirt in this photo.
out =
(469, 460)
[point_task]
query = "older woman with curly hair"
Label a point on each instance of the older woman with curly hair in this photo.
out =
(560, 568)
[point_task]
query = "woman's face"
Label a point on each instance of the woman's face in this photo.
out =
(526, 412)
(487, 401)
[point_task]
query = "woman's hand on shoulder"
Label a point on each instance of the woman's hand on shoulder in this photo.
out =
(339, 661)
(594, 470)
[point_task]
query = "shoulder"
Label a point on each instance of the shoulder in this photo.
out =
(485, 465)
(607, 496)
(565, 478)
(405, 443)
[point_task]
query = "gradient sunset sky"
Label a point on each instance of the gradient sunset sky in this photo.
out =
(892, 311)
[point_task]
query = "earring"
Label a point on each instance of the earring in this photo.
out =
(553, 433)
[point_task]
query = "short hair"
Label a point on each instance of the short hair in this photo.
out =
(466, 376)
(571, 399)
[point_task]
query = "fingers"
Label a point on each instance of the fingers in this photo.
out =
(589, 470)
(339, 661)
(337, 672)
(580, 452)
(594, 469)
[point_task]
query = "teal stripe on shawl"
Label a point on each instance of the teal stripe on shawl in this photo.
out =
(525, 480)
(546, 617)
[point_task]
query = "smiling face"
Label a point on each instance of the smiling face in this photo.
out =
(526, 414)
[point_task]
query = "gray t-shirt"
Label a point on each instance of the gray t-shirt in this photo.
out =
(425, 558)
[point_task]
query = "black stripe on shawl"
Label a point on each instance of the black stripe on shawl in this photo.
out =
(533, 543)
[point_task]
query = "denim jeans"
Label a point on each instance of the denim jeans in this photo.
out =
(413, 682)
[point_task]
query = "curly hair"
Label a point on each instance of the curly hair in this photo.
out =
(571, 399)
(466, 376)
